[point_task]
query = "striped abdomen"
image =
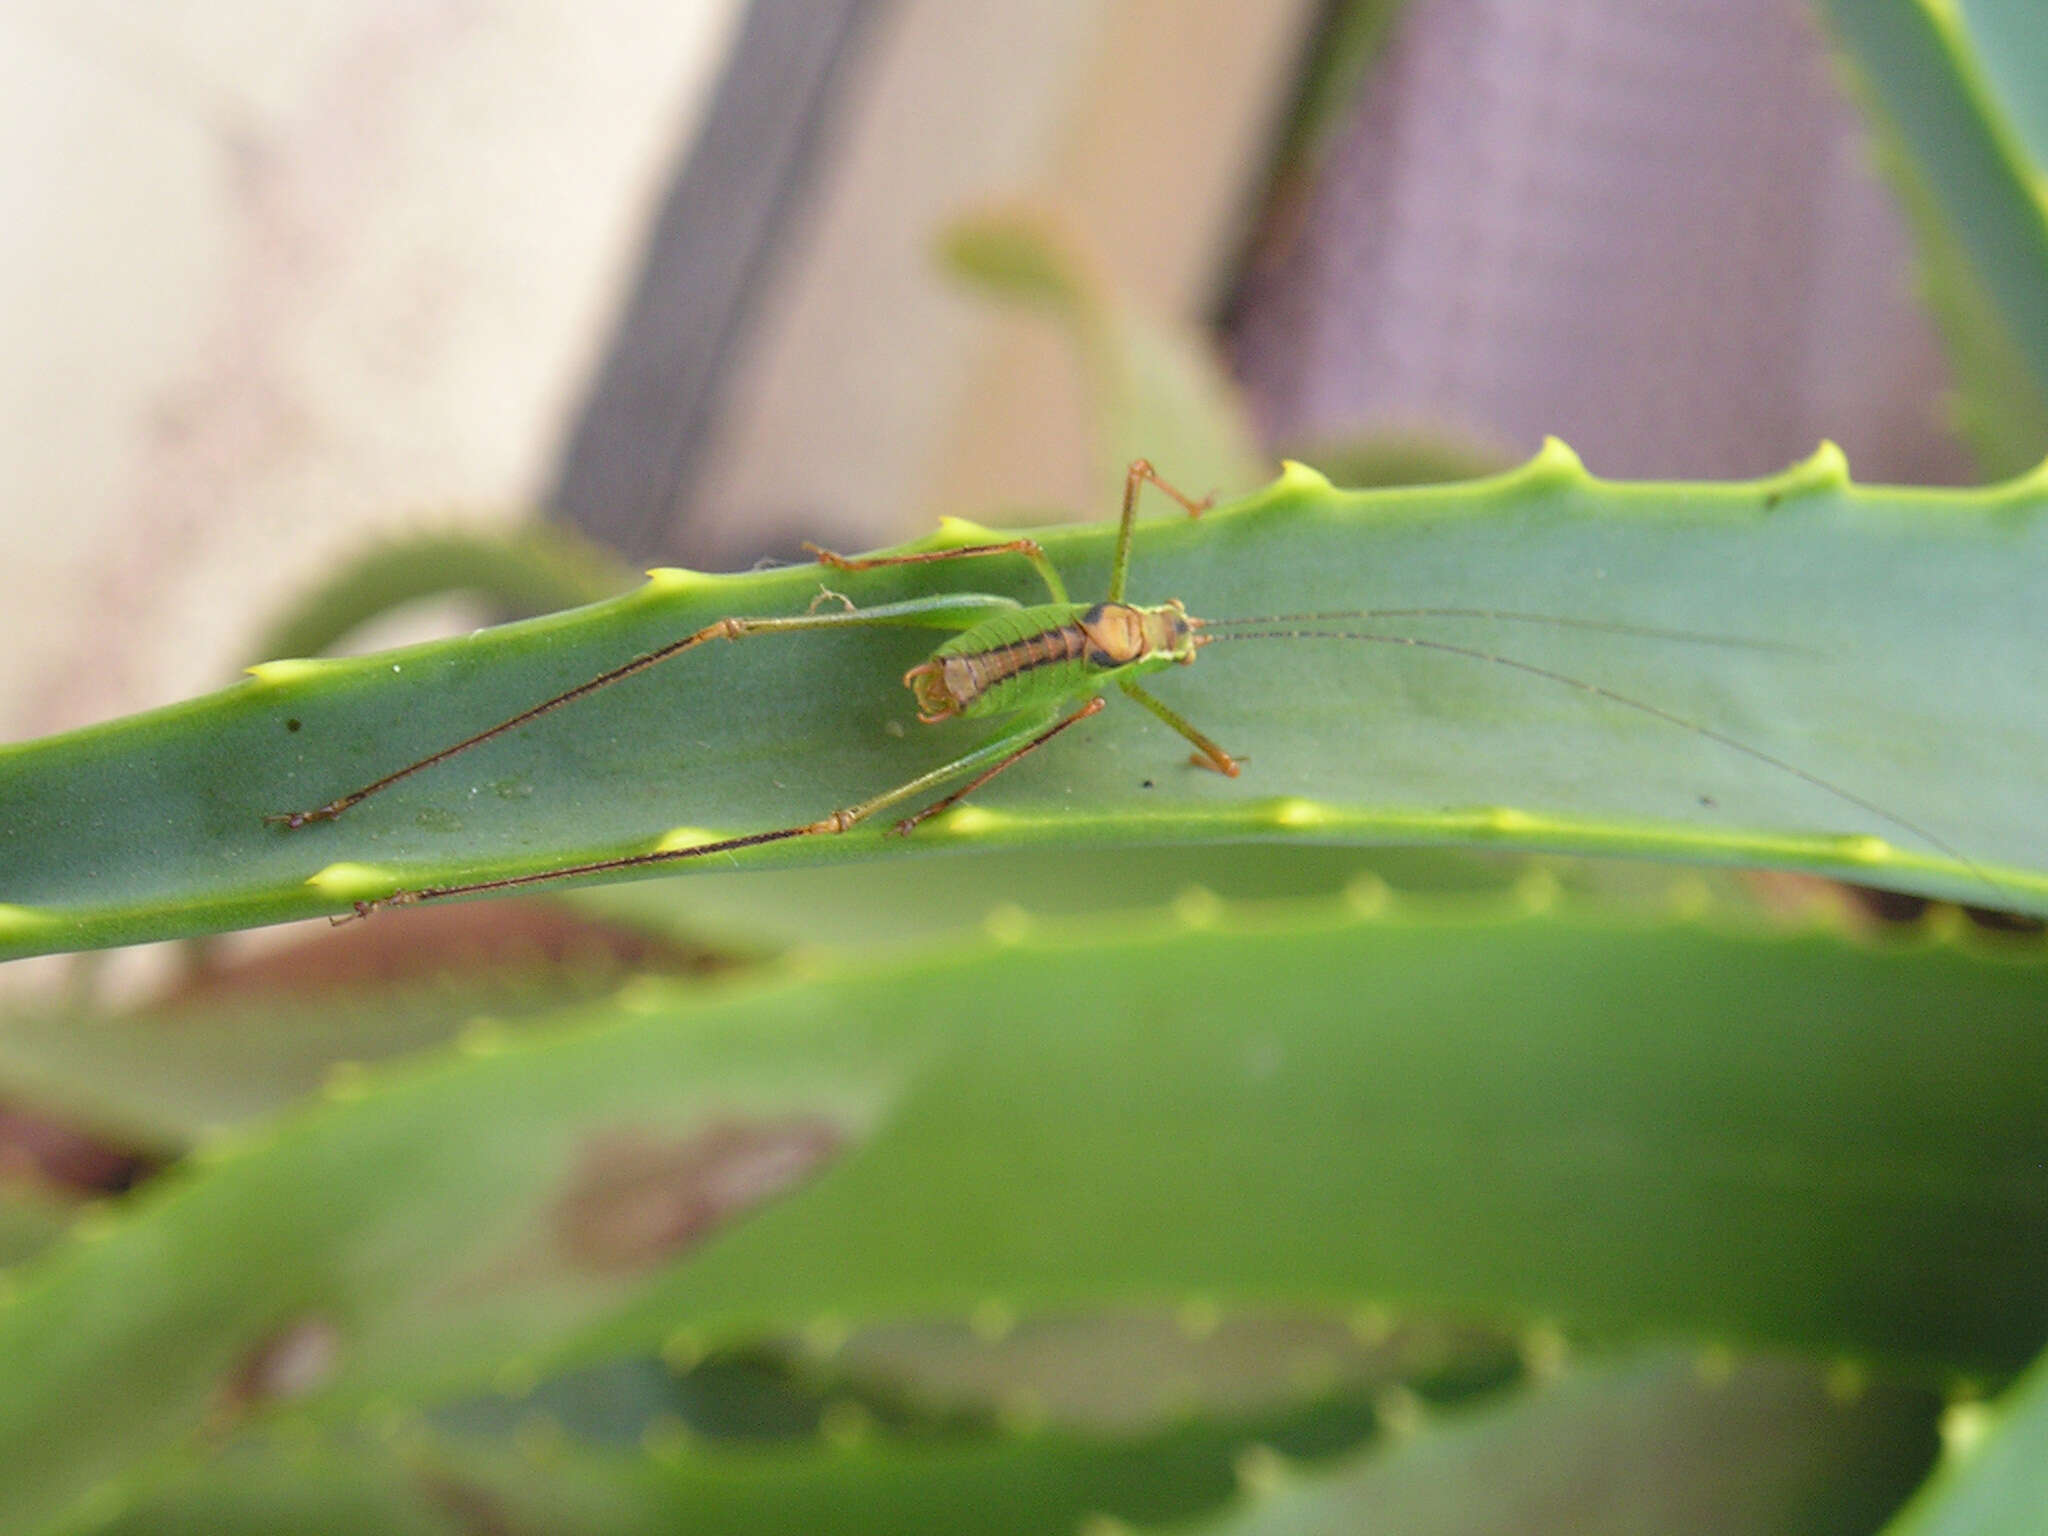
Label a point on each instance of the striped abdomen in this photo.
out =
(1045, 654)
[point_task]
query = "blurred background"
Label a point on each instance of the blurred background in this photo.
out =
(282, 280)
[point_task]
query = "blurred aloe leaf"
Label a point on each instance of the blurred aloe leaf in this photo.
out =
(167, 1076)
(1159, 393)
(1907, 672)
(1624, 1129)
(1994, 1482)
(1653, 1445)
(879, 905)
(2007, 43)
(166, 1079)
(29, 1222)
(518, 571)
(1411, 457)
(1122, 1371)
(942, 1484)
(1954, 107)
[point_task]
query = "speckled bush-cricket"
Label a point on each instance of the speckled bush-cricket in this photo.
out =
(1043, 666)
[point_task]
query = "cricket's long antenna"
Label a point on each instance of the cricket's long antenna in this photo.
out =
(1600, 626)
(1206, 634)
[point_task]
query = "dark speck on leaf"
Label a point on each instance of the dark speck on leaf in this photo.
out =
(291, 725)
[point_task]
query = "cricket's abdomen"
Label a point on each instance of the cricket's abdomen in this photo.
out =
(1044, 655)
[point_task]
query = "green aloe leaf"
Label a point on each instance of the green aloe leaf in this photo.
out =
(943, 1484)
(1622, 1129)
(1759, 1448)
(1994, 1481)
(1155, 391)
(1896, 652)
(29, 1222)
(520, 571)
(165, 1080)
(2007, 44)
(170, 1076)
(1955, 107)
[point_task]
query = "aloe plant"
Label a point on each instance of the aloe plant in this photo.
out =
(1517, 1162)
(156, 828)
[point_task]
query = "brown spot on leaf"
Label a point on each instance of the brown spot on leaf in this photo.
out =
(635, 1201)
(290, 1362)
(501, 947)
(476, 1511)
(65, 1160)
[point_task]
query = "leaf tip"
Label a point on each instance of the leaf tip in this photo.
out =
(1367, 895)
(1371, 1325)
(2029, 484)
(1689, 898)
(1505, 821)
(482, 1036)
(645, 994)
(1555, 463)
(1261, 1471)
(1964, 1427)
(1197, 907)
(825, 1335)
(963, 530)
(290, 669)
(353, 882)
(1537, 891)
(992, 1320)
(1299, 478)
(676, 839)
(1845, 1381)
(1021, 254)
(1401, 1413)
(1006, 924)
(1947, 19)
(1544, 1349)
(1825, 469)
(1714, 1365)
(1864, 848)
(675, 578)
(967, 821)
(1294, 814)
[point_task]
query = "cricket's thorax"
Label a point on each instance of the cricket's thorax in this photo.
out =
(1053, 650)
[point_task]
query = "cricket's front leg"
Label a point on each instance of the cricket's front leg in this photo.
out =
(1207, 753)
(1030, 549)
(1141, 473)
